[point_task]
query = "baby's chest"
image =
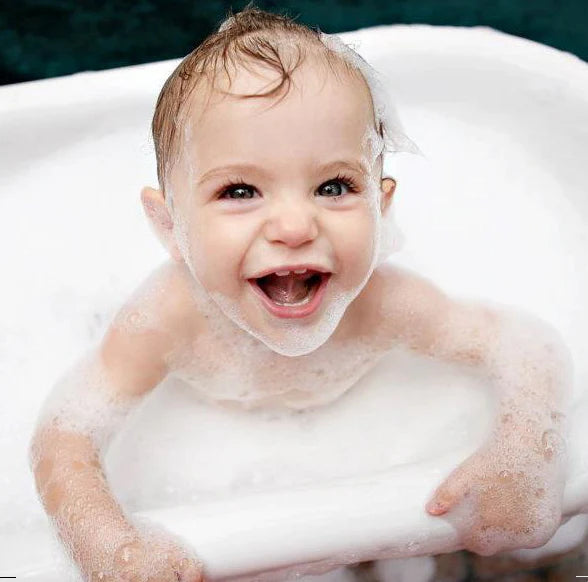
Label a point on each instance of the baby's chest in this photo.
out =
(247, 375)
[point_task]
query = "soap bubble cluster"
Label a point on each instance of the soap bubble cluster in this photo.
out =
(83, 401)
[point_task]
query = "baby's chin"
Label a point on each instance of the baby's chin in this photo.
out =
(287, 337)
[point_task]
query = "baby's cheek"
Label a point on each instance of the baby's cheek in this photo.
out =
(205, 251)
(361, 237)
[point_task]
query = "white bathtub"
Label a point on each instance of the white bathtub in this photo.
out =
(497, 211)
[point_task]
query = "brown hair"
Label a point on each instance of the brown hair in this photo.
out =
(251, 33)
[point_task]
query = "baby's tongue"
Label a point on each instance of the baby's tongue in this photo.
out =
(289, 289)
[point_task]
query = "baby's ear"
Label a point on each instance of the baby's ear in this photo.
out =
(158, 214)
(388, 188)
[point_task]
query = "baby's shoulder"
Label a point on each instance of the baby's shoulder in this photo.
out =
(159, 315)
(153, 327)
(161, 307)
(397, 302)
(387, 288)
(392, 281)
(149, 329)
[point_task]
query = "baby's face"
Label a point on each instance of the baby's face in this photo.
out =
(259, 189)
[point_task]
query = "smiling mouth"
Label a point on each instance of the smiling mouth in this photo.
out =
(291, 290)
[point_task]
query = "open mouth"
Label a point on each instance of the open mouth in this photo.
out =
(292, 295)
(293, 289)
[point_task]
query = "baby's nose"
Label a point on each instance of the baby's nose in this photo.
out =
(293, 224)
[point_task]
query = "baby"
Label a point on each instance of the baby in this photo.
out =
(277, 217)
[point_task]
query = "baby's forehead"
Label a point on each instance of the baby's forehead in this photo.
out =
(314, 97)
(321, 106)
(248, 80)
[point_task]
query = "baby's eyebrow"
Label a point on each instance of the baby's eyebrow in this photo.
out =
(354, 165)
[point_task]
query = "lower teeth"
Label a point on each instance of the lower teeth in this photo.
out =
(309, 296)
(302, 302)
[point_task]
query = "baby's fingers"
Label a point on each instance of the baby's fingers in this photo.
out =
(186, 568)
(189, 571)
(448, 494)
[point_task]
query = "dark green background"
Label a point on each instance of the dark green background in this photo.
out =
(47, 38)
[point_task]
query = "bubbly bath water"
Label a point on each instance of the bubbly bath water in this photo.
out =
(496, 211)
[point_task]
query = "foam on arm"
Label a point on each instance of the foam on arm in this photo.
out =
(84, 411)
(524, 358)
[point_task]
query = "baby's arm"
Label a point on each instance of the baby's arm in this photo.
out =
(515, 481)
(85, 409)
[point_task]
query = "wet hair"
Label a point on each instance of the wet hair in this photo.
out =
(250, 35)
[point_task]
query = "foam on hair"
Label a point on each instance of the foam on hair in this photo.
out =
(393, 137)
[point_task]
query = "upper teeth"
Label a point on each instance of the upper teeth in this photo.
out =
(284, 273)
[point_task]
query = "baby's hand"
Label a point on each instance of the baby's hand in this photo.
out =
(509, 497)
(148, 559)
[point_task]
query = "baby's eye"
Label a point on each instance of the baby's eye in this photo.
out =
(333, 187)
(237, 192)
(241, 191)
